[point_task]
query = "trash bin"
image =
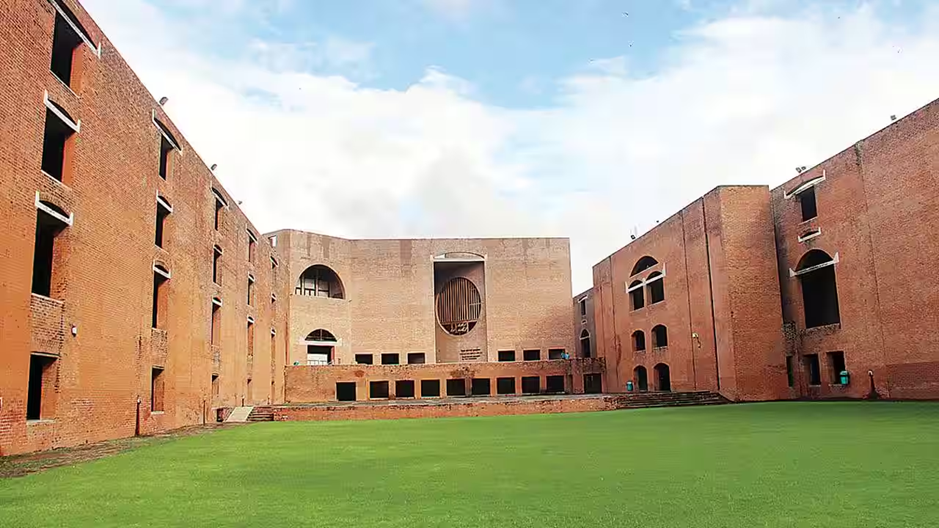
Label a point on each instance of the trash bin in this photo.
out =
(629, 386)
(845, 377)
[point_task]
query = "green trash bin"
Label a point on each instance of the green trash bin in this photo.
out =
(845, 377)
(629, 386)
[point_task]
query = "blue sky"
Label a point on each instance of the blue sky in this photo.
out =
(527, 117)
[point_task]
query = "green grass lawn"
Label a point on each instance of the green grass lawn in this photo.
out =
(777, 464)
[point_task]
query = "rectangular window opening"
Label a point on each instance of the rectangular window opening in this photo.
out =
(404, 389)
(378, 390)
(216, 257)
(809, 206)
(65, 44)
(416, 358)
(531, 385)
(363, 359)
(456, 387)
(556, 353)
(813, 369)
(390, 359)
(532, 355)
(836, 361)
(161, 213)
(56, 142)
(345, 391)
(252, 246)
(216, 323)
(554, 384)
(430, 388)
(250, 291)
(505, 386)
(159, 301)
(165, 149)
(593, 384)
(47, 228)
(506, 355)
(157, 384)
(218, 212)
(789, 374)
(481, 386)
(40, 395)
(250, 339)
(583, 307)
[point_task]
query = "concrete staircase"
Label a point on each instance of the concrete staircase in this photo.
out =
(239, 414)
(261, 414)
(638, 400)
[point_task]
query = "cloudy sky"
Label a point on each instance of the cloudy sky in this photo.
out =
(590, 119)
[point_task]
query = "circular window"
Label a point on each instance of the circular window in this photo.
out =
(458, 306)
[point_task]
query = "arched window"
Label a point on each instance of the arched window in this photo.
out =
(636, 297)
(663, 378)
(656, 283)
(641, 378)
(320, 281)
(643, 264)
(639, 341)
(659, 336)
(320, 335)
(816, 272)
(585, 344)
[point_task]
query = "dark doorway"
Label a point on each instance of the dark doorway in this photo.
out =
(41, 380)
(663, 378)
(456, 387)
(345, 391)
(585, 344)
(836, 360)
(404, 389)
(430, 388)
(505, 386)
(481, 387)
(554, 384)
(813, 369)
(641, 378)
(531, 385)
(592, 384)
(819, 289)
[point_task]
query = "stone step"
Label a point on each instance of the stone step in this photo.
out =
(261, 414)
(239, 414)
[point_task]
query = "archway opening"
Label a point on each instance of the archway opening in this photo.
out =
(641, 378)
(643, 264)
(320, 347)
(816, 272)
(320, 281)
(585, 344)
(663, 379)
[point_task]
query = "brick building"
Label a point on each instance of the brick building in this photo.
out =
(770, 294)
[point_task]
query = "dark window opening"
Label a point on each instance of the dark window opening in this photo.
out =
(404, 389)
(481, 386)
(215, 386)
(456, 387)
(506, 355)
(216, 257)
(556, 353)
(641, 378)
(158, 319)
(636, 297)
(505, 386)
(663, 378)
(643, 264)
(656, 288)
(378, 390)
(390, 359)
(585, 344)
(593, 384)
(416, 358)
(554, 384)
(364, 359)
(218, 212)
(250, 339)
(250, 291)
(65, 42)
(47, 228)
(789, 374)
(813, 369)
(252, 247)
(639, 341)
(532, 355)
(809, 206)
(836, 360)
(659, 336)
(345, 391)
(583, 307)
(41, 388)
(161, 213)
(819, 290)
(157, 385)
(55, 145)
(320, 281)
(430, 388)
(216, 323)
(165, 149)
(531, 385)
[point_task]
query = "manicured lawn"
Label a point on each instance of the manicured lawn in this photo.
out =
(779, 464)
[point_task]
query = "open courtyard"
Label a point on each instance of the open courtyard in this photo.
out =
(775, 464)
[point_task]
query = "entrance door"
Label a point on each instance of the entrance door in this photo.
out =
(642, 379)
(663, 377)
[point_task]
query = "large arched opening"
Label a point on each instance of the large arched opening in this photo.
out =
(663, 378)
(816, 272)
(585, 344)
(641, 378)
(643, 264)
(320, 281)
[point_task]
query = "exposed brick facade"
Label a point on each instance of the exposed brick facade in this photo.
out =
(734, 304)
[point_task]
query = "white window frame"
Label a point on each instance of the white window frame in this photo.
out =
(78, 31)
(806, 186)
(217, 301)
(49, 104)
(164, 132)
(67, 220)
(836, 259)
(811, 234)
(163, 203)
(165, 274)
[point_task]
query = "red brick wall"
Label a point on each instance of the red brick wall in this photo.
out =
(103, 263)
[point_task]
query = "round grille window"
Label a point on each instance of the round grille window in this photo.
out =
(458, 306)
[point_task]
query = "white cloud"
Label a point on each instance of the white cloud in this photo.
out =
(743, 99)
(457, 10)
